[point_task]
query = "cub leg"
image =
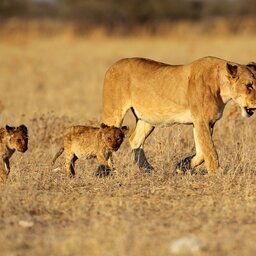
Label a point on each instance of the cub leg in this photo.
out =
(110, 160)
(137, 139)
(70, 160)
(3, 172)
(7, 165)
(105, 164)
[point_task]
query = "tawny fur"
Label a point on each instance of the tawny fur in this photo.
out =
(87, 141)
(161, 94)
(11, 139)
(252, 66)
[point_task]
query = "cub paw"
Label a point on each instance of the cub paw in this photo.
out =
(184, 166)
(103, 171)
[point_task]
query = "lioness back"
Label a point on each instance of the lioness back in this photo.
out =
(157, 92)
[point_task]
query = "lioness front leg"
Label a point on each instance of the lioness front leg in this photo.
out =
(205, 151)
(190, 162)
(199, 156)
(205, 144)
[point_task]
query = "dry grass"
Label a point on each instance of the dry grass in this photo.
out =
(128, 213)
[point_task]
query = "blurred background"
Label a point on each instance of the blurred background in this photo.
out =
(126, 17)
(54, 53)
(53, 58)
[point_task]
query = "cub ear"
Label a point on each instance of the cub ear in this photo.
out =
(9, 128)
(252, 65)
(232, 69)
(24, 128)
(124, 129)
(102, 125)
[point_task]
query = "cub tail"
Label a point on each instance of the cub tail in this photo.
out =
(57, 155)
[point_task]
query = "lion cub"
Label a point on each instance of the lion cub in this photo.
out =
(11, 139)
(86, 141)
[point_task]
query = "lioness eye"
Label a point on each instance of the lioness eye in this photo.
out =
(249, 87)
(109, 139)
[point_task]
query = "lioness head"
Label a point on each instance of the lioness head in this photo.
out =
(252, 67)
(243, 86)
(113, 136)
(17, 137)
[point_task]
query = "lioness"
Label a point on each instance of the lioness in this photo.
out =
(11, 139)
(252, 66)
(86, 141)
(160, 94)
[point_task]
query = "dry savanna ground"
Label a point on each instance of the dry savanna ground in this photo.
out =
(51, 83)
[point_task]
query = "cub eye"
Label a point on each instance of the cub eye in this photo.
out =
(249, 87)
(109, 139)
(19, 141)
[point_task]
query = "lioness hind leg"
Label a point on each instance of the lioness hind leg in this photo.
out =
(116, 97)
(115, 117)
(137, 139)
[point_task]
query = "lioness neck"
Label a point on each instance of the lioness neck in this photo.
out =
(224, 86)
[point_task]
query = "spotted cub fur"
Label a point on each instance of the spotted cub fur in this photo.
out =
(11, 139)
(86, 141)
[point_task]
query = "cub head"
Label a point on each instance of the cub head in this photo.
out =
(17, 137)
(113, 136)
(242, 80)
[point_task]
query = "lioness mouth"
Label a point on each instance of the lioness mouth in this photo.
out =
(115, 148)
(250, 111)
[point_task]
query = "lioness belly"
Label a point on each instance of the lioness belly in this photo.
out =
(156, 117)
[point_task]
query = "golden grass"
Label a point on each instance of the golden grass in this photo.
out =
(128, 213)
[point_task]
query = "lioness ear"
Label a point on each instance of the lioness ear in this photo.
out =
(252, 65)
(9, 128)
(24, 129)
(232, 70)
(124, 129)
(102, 126)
